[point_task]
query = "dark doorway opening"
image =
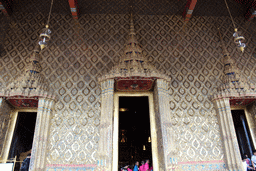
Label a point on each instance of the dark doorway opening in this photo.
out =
(22, 137)
(134, 131)
(242, 132)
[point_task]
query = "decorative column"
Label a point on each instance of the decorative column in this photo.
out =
(161, 97)
(231, 148)
(5, 119)
(44, 112)
(105, 150)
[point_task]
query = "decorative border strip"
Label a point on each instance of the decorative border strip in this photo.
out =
(202, 165)
(72, 165)
(202, 162)
(71, 169)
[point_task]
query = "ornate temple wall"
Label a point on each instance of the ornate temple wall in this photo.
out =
(81, 51)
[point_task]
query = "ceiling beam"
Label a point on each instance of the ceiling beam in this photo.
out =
(74, 8)
(5, 7)
(187, 14)
(251, 12)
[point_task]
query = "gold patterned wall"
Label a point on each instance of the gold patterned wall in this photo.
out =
(81, 51)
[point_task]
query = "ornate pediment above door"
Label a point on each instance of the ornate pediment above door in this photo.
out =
(29, 87)
(133, 72)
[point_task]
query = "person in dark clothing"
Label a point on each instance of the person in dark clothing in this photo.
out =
(126, 168)
(248, 160)
(25, 163)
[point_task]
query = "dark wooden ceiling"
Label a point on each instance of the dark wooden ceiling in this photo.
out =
(142, 7)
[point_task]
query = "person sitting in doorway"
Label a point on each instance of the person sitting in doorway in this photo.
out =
(136, 166)
(248, 160)
(126, 168)
(25, 163)
(246, 166)
(253, 160)
(146, 166)
(142, 166)
(151, 168)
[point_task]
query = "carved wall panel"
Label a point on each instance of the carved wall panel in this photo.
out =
(80, 51)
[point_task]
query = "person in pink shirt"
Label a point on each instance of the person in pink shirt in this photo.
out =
(146, 166)
(128, 169)
(142, 166)
(151, 168)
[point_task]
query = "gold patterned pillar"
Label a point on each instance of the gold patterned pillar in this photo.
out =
(44, 112)
(5, 120)
(232, 152)
(163, 121)
(105, 151)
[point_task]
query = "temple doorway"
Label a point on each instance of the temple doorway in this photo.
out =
(135, 101)
(22, 137)
(134, 130)
(242, 132)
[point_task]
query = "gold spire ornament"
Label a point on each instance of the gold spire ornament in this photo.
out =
(238, 39)
(133, 63)
(144, 147)
(149, 139)
(31, 83)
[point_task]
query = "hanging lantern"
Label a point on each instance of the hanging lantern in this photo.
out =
(44, 37)
(45, 34)
(239, 40)
(144, 147)
(149, 139)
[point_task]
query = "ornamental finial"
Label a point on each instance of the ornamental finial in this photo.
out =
(132, 31)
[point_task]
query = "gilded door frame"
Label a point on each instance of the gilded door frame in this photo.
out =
(38, 155)
(152, 126)
(10, 131)
(230, 143)
(248, 119)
